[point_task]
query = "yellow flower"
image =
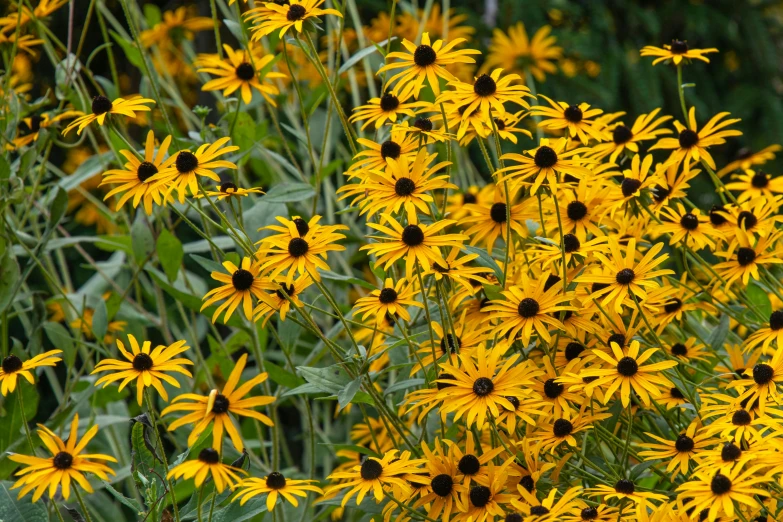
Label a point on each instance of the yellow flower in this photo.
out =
(677, 52)
(13, 367)
(207, 464)
(292, 14)
(102, 107)
(238, 70)
(517, 53)
(275, 484)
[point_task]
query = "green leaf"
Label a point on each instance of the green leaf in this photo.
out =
(244, 135)
(326, 274)
(131, 51)
(170, 253)
(21, 510)
(142, 242)
(289, 193)
(9, 275)
(11, 422)
(718, 336)
(331, 379)
(152, 14)
(234, 512)
(207, 264)
(123, 499)
(100, 320)
(346, 395)
(5, 168)
(58, 207)
(485, 260)
(282, 376)
(62, 340)
(367, 51)
(759, 298)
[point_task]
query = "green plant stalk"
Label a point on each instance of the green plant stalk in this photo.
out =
(87, 516)
(154, 422)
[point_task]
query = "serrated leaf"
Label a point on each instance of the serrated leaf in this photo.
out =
(289, 193)
(170, 253)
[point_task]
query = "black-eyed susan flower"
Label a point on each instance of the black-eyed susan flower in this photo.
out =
(480, 384)
(487, 222)
(578, 120)
(215, 409)
(626, 371)
(753, 184)
(386, 108)
(546, 162)
(274, 485)
(472, 458)
(417, 243)
(228, 189)
(425, 62)
(280, 300)
(599, 513)
(551, 431)
(761, 382)
(773, 333)
(645, 128)
(239, 71)
(393, 299)
(626, 489)
(636, 181)
(580, 208)
(678, 452)
(284, 16)
(485, 501)
(487, 94)
(137, 181)
(516, 52)
(67, 464)
(718, 491)
(678, 52)
(102, 107)
(29, 128)
(299, 247)
(188, 166)
(149, 367)
(399, 144)
(529, 308)
(626, 274)
(13, 367)
(506, 126)
(756, 217)
(454, 338)
(239, 285)
(745, 258)
(689, 226)
(442, 487)
(372, 475)
(551, 507)
(746, 159)
(402, 185)
(690, 146)
(207, 464)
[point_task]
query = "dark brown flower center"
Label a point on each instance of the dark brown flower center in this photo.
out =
(209, 456)
(763, 373)
(221, 404)
(741, 418)
(775, 320)
(63, 460)
(480, 496)
(298, 247)
(684, 444)
(759, 180)
(442, 485)
(630, 186)
(688, 138)
(371, 469)
(660, 193)
(625, 487)
(689, 221)
(468, 198)
(296, 12)
(528, 308)
(716, 218)
(186, 162)
(538, 511)
(573, 350)
(424, 55)
(389, 102)
(672, 306)
(101, 105)
(483, 386)
(387, 296)
(679, 349)
(679, 47)
(288, 289)
(423, 124)
(390, 149)
(617, 338)
(245, 71)
(747, 220)
(228, 187)
(573, 114)
(571, 243)
(576, 210)
(275, 480)
(730, 452)
(301, 226)
(404, 187)
(621, 134)
(625, 276)
(498, 212)
(553, 389)
(242, 279)
(485, 86)
(721, 484)
(12, 364)
(676, 393)
(545, 157)
(627, 367)
(142, 362)
(450, 344)
(745, 256)
(469, 465)
(499, 124)
(413, 235)
(528, 483)
(562, 428)
(589, 513)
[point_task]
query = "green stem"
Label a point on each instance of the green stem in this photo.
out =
(87, 517)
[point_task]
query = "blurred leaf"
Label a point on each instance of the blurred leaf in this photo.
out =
(57, 210)
(235, 512)
(62, 340)
(170, 253)
(20, 510)
(9, 275)
(207, 264)
(718, 336)
(759, 298)
(346, 395)
(244, 134)
(289, 193)
(367, 51)
(11, 422)
(281, 376)
(129, 502)
(5, 168)
(131, 51)
(142, 242)
(152, 14)
(100, 320)
(333, 276)
(485, 260)
(331, 379)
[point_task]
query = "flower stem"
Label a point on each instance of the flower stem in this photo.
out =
(86, 513)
